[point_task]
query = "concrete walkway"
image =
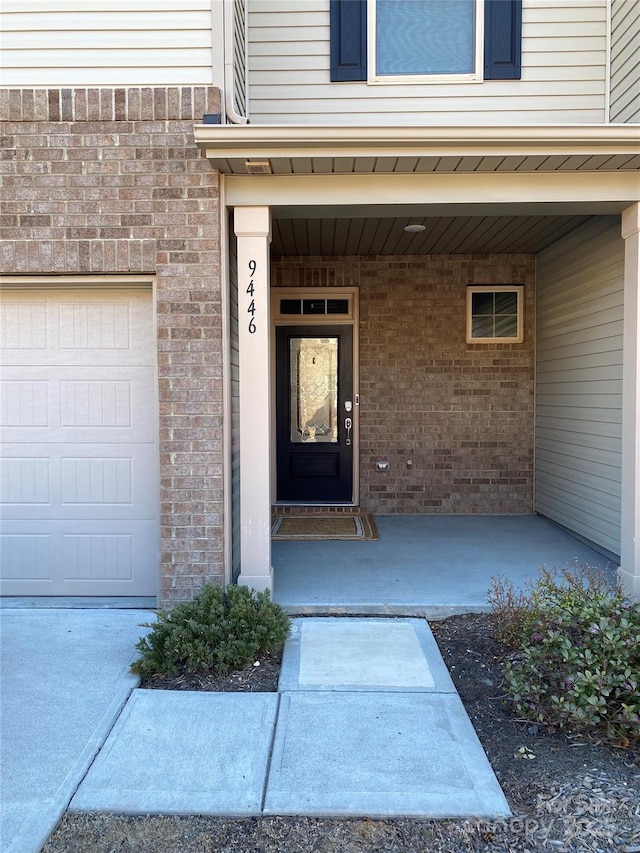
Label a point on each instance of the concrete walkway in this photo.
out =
(64, 680)
(366, 722)
(371, 724)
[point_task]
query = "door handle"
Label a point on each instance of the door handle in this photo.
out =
(348, 423)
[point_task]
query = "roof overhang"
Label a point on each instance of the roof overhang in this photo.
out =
(323, 150)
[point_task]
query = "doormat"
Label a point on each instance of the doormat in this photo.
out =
(319, 527)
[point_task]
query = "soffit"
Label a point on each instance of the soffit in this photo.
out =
(293, 150)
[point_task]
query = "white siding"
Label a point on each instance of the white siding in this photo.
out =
(579, 381)
(239, 57)
(563, 76)
(625, 61)
(107, 42)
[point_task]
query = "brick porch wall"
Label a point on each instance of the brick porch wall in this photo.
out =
(107, 181)
(463, 414)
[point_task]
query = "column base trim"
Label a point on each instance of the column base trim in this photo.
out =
(629, 583)
(257, 582)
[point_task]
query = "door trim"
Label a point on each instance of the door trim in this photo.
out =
(350, 319)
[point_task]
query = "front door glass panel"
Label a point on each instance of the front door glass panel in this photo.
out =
(314, 390)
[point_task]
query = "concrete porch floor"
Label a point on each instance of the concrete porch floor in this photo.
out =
(432, 566)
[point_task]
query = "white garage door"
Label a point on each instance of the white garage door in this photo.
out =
(79, 466)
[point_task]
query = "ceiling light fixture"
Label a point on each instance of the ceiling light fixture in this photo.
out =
(415, 228)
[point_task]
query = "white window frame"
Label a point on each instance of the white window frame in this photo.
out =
(518, 289)
(404, 79)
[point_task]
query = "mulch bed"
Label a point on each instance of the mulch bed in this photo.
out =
(262, 677)
(569, 794)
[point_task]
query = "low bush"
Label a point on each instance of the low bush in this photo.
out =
(512, 610)
(576, 661)
(218, 631)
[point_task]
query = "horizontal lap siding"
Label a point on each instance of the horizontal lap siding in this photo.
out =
(625, 61)
(132, 43)
(563, 76)
(579, 381)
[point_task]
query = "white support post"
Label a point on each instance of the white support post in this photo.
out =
(629, 571)
(252, 226)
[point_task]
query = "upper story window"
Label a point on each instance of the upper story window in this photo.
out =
(417, 40)
(421, 41)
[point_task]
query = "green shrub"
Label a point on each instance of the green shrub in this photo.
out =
(577, 661)
(218, 631)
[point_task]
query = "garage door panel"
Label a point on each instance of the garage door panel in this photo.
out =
(95, 560)
(97, 481)
(24, 403)
(24, 481)
(79, 483)
(73, 329)
(78, 402)
(86, 325)
(26, 557)
(96, 403)
(24, 325)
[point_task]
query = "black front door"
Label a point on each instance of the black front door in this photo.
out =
(314, 414)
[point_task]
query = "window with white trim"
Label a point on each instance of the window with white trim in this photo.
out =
(495, 314)
(425, 40)
(421, 40)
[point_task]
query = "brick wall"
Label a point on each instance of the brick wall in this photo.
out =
(463, 414)
(110, 181)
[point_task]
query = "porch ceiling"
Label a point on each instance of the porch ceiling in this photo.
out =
(297, 153)
(442, 235)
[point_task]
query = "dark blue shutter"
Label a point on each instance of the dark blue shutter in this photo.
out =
(348, 21)
(502, 39)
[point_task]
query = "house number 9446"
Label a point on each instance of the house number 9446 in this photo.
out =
(252, 303)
